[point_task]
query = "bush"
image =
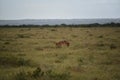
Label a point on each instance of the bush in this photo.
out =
(8, 60)
(74, 36)
(113, 46)
(81, 61)
(23, 36)
(38, 74)
(7, 43)
(100, 44)
(13, 61)
(20, 36)
(53, 30)
(57, 76)
(21, 75)
(23, 62)
(101, 36)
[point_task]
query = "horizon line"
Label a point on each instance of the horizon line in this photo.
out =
(57, 18)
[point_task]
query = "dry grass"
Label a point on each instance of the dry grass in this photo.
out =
(94, 53)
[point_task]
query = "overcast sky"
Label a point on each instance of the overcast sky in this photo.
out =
(59, 9)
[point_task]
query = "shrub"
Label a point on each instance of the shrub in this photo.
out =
(21, 75)
(37, 73)
(8, 60)
(58, 61)
(74, 36)
(57, 76)
(23, 62)
(101, 36)
(113, 46)
(81, 61)
(20, 36)
(13, 61)
(23, 36)
(53, 30)
(100, 44)
(21, 54)
(7, 43)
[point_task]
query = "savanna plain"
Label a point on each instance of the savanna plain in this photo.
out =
(31, 53)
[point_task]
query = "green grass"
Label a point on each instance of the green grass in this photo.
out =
(93, 54)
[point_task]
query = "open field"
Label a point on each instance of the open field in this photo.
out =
(93, 54)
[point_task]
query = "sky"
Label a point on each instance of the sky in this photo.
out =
(59, 9)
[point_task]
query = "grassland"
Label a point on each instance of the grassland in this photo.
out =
(30, 53)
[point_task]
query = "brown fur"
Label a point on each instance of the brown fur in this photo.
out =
(62, 43)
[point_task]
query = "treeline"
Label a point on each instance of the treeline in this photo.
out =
(64, 25)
